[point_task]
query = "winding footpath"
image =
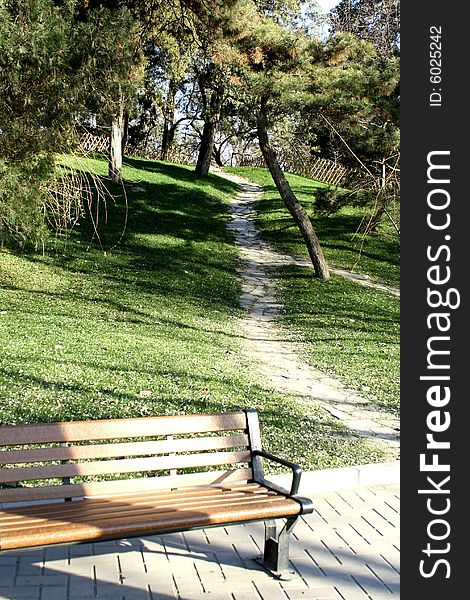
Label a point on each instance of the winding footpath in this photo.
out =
(268, 346)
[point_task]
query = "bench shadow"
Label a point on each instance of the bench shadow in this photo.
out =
(189, 564)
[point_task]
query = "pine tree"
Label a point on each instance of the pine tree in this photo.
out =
(273, 68)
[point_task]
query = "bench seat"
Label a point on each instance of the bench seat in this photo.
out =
(131, 515)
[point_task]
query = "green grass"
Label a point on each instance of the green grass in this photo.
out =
(144, 321)
(347, 330)
(376, 255)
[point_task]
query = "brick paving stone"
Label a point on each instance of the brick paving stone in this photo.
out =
(270, 591)
(209, 596)
(93, 596)
(372, 586)
(186, 578)
(163, 586)
(217, 535)
(393, 560)
(394, 588)
(59, 553)
(209, 573)
(153, 544)
(244, 595)
(344, 505)
(155, 563)
(319, 593)
(313, 581)
(131, 564)
(52, 592)
(132, 543)
(29, 566)
(7, 575)
(196, 541)
(322, 556)
(8, 559)
(46, 579)
(238, 533)
(80, 585)
(354, 540)
(81, 550)
(307, 569)
(118, 591)
(175, 543)
(235, 585)
(162, 592)
(388, 515)
(75, 568)
(295, 580)
(351, 591)
(32, 553)
(384, 572)
(19, 593)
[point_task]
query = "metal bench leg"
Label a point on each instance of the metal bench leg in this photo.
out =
(276, 548)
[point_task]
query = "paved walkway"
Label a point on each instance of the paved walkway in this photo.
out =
(348, 549)
(268, 346)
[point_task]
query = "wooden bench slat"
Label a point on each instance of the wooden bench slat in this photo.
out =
(118, 510)
(11, 517)
(149, 522)
(110, 450)
(79, 431)
(104, 488)
(141, 496)
(129, 465)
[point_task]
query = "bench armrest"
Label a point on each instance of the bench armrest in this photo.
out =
(296, 470)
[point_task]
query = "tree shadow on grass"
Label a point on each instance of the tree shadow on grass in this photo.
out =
(175, 241)
(357, 312)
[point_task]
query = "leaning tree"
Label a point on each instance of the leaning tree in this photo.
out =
(273, 67)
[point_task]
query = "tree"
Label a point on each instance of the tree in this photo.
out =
(352, 115)
(39, 88)
(272, 68)
(111, 42)
(376, 21)
(59, 62)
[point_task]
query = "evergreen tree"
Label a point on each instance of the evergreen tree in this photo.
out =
(376, 21)
(58, 62)
(273, 69)
(352, 115)
(38, 85)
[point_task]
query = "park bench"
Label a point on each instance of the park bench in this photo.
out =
(87, 481)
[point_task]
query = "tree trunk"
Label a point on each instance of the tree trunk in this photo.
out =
(168, 122)
(296, 210)
(207, 145)
(115, 150)
(217, 155)
(125, 133)
(209, 131)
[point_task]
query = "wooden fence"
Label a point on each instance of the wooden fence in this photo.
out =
(321, 169)
(94, 143)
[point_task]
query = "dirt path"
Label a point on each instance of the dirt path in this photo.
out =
(269, 347)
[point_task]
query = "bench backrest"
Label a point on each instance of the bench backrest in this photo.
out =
(97, 458)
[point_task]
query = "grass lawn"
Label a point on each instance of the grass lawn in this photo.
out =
(144, 322)
(343, 328)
